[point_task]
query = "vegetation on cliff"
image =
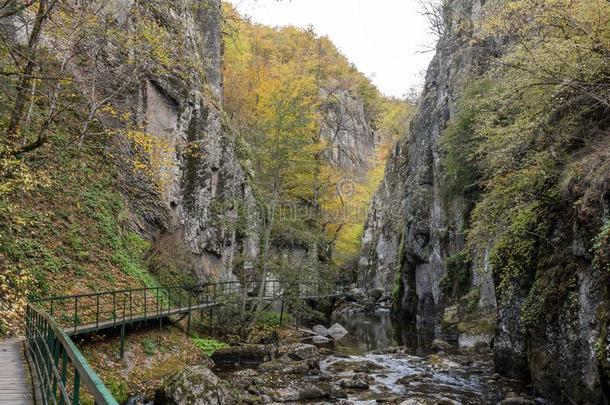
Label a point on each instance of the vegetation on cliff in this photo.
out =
(290, 94)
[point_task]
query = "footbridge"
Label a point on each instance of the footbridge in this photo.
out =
(61, 373)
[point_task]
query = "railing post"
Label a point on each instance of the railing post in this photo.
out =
(282, 312)
(64, 369)
(75, 312)
(55, 362)
(97, 312)
(114, 308)
(130, 307)
(145, 303)
(214, 298)
(188, 324)
(76, 389)
(122, 347)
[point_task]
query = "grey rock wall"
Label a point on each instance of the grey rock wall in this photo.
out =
(345, 127)
(201, 182)
(411, 229)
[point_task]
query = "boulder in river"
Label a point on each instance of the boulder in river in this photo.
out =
(337, 331)
(195, 385)
(359, 366)
(246, 354)
(358, 380)
(304, 391)
(299, 351)
(318, 339)
(286, 365)
(517, 401)
(320, 330)
(440, 344)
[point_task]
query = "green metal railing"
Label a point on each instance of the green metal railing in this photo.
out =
(64, 376)
(62, 371)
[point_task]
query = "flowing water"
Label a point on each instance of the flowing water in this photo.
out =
(399, 364)
(400, 361)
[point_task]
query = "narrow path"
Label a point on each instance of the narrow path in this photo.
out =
(15, 381)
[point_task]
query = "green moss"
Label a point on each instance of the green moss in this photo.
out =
(481, 326)
(458, 278)
(601, 248)
(209, 346)
(534, 309)
(460, 141)
(514, 255)
(118, 388)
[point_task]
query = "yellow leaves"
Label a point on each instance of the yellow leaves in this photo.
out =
(15, 285)
(153, 157)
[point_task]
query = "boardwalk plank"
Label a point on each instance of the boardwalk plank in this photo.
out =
(15, 382)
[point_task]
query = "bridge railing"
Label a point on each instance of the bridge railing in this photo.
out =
(84, 313)
(63, 374)
(65, 377)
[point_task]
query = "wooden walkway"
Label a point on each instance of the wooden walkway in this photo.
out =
(113, 323)
(15, 380)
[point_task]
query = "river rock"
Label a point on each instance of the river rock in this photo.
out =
(359, 380)
(195, 385)
(355, 294)
(137, 400)
(320, 330)
(303, 391)
(318, 339)
(286, 365)
(439, 344)
(364, 366)
(299, 351)
(247, 354)
(337, 331)
(469, 341)
(441, 363)
(517, 401)
(336, 392)
(448, 401)
(243, 378)
(415, 401)
(377, 293)
(408, 379)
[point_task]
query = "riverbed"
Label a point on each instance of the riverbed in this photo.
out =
(399, 365)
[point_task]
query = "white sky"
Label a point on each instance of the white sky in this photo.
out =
(383, 38)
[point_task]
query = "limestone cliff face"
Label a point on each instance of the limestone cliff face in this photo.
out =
(200, 176)
(414, 227)
(411, 228)
(347, 130)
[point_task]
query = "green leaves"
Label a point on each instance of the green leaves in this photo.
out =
(209, 346)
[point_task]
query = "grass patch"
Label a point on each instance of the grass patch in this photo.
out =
(272, 319)
(149, 346)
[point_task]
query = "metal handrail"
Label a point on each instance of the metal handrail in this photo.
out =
(61, 368)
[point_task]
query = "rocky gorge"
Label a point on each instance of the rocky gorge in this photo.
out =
(154, 143)
(418, 245)
(348, 369)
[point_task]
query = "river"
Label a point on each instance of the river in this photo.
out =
(382, 361)
(408, 368)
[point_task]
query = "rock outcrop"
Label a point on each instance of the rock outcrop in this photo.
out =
(200, 178)
(414, 227)
(195, 385)
(411, 228)
(347, 129)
